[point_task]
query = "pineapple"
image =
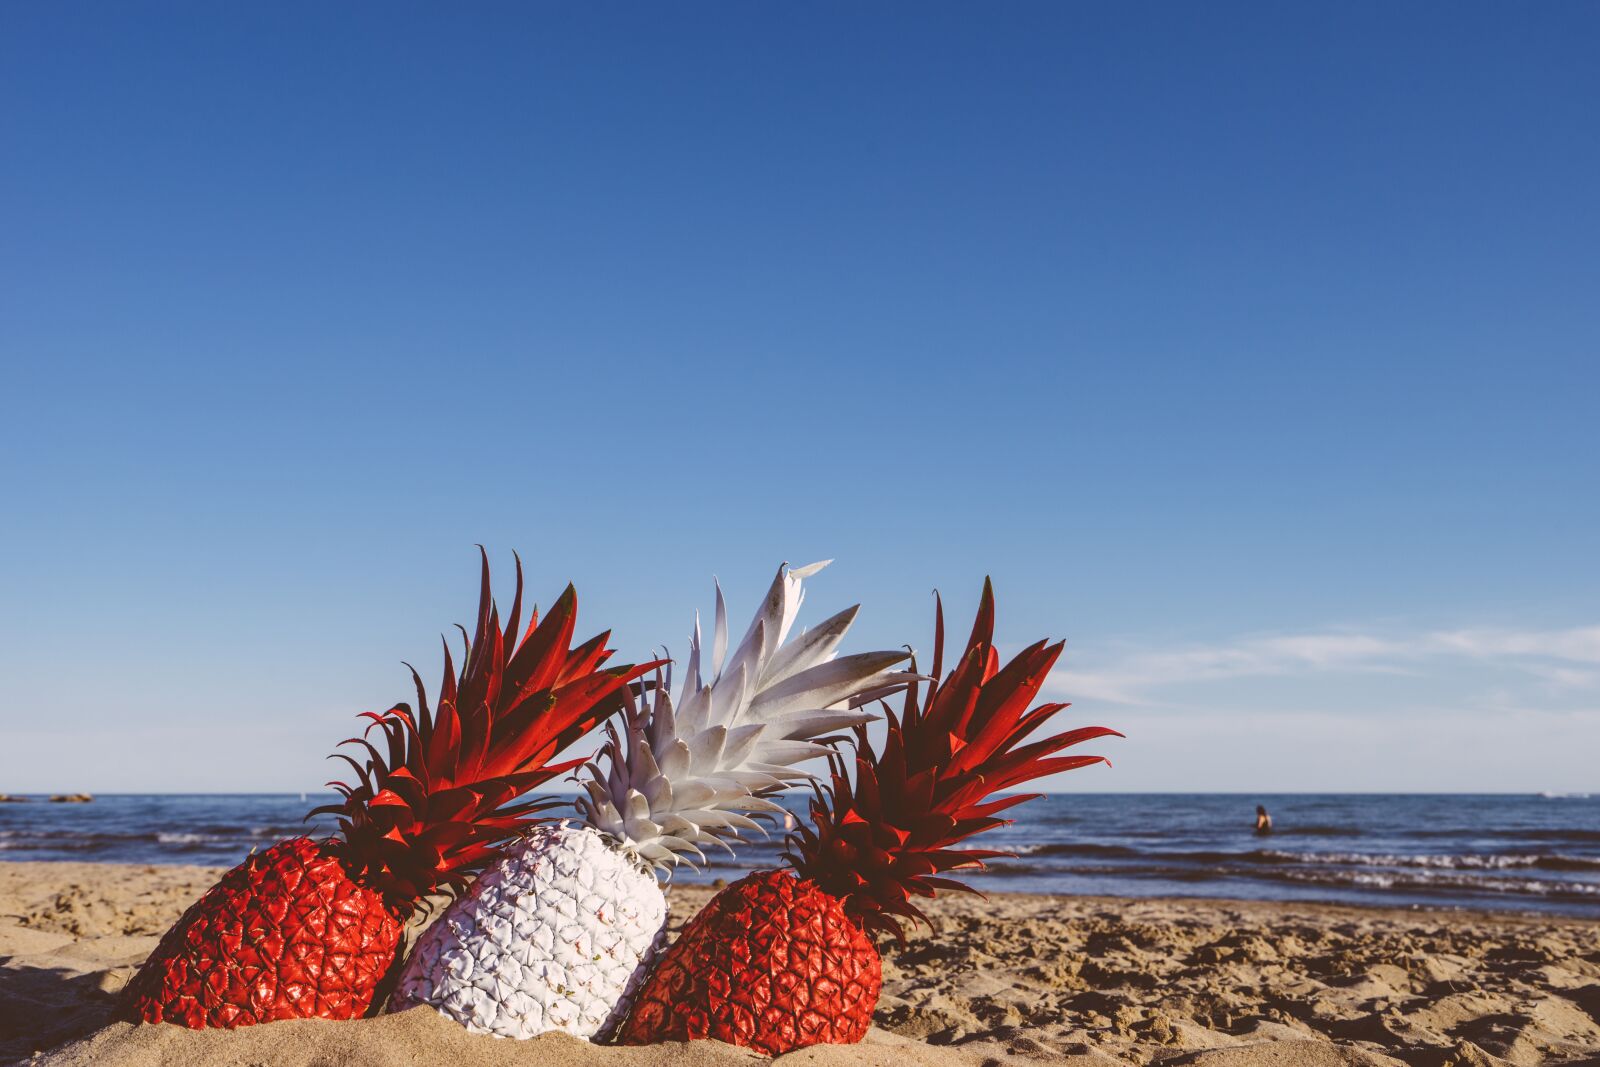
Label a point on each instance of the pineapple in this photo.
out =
(559, 933)
(309, 929)
(784, 959)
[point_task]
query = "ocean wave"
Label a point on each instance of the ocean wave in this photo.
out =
(99, 836)
(1435, 881)
(1271, 857)
(156, 841)
(1056, 848)
(1481, 861)
(45, 844)
(189, 839)
(1529, 834)
(1426, 881)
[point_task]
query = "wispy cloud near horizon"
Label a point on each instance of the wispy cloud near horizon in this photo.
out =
(1564, 658)
(1440, 710)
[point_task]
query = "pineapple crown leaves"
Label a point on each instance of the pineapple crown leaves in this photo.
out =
(699, 769)
(888, 835)
(437, 797)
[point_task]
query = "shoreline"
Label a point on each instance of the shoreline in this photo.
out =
(1363, 907)
(1018, 978)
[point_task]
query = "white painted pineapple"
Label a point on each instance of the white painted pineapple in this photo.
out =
(560, 934)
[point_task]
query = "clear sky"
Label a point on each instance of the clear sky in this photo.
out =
(1252, 348)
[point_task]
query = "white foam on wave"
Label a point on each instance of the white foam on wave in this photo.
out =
(1484, 861)
(1435, 880)
(192, 839)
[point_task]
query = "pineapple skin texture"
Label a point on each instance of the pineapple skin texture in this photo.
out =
(284, 935)
(558, 935)
(772, 963)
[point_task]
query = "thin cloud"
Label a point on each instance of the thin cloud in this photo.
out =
(1579, 645)
(1559, 658)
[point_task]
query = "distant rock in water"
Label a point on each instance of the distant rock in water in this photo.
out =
(71, 798)
(7, 798)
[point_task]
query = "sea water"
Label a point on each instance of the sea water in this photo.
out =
(1524, 853)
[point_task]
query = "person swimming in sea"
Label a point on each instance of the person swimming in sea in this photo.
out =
(1263, 820)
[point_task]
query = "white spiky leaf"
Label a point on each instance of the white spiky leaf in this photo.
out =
(683, 767)
(812, 647)
(558, 935)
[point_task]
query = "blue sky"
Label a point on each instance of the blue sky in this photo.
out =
(1251, 349)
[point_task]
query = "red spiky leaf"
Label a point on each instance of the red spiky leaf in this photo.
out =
(884, 836)
(776, 962)
(309, 929)
(498, 724)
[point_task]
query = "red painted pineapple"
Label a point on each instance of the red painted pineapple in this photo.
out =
(782, 959)
(309, 929)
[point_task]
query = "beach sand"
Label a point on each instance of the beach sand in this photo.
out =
(1011, 980)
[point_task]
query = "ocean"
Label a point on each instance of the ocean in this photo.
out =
(1520, 853)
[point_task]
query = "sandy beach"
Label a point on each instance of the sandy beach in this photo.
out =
(1014, 979)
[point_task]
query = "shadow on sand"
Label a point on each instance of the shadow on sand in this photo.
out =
(42, 1007)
